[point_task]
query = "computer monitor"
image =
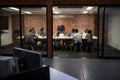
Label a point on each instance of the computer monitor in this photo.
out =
(27, 59)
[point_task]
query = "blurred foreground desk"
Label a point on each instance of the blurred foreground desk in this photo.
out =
(57, 75)
(45, 73)
(6, 66)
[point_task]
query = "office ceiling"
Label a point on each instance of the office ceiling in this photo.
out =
(60, 9)
(76, 9)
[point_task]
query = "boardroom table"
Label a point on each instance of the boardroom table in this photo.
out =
(60, 40)
(64, 37)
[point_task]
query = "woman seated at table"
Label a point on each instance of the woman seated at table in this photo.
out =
(84, 41)
(89, 41)
(77, 40)
(42, 32)
(70, 42)
(72, 33)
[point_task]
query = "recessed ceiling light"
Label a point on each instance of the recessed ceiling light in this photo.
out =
(85, 12)
(89, 8)
(27, 12)
(56, 12)
(13, 8)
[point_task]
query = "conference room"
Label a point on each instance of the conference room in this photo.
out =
(16, 22)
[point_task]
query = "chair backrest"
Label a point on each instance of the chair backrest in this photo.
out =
(27, 59)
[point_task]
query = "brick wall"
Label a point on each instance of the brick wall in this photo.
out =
(80, 22)
(36, 21)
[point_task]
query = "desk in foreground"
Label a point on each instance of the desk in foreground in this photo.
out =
(57, 75)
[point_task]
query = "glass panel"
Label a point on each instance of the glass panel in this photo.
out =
(112, 31)
(9, 30)
(34, 21)
(67, 18)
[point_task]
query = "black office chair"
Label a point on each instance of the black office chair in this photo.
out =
(68, 44)
(89, 47)
(77, 47)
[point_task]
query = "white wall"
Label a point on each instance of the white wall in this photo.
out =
(114, 27)
(6, 38)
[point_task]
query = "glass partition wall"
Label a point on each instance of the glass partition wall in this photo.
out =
(111, 32)
(14, 20)
(35, 19)
(9, 29)
(67, 18)
(103, 23)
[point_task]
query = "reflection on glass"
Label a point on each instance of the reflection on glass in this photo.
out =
(9, 29)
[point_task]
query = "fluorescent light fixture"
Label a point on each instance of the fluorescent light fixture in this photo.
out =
(13, 8)
(89, 8)
(85, 12)
(44, 9)
(27, 12)
(56, 12)
(53, 8)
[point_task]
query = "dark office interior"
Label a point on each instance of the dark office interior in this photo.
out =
(54, 54)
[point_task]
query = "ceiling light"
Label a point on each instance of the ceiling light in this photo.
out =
(44, 9)
(89, 8)
(27, 12)
(85, 12)
(13, 8)
(56, 12)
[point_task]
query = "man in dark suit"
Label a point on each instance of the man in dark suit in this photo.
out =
(61, 28)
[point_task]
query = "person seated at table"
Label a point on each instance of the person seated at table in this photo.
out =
(30, 39)
(33, 30)
(84, 41)
(89, 41)
(69, 42)
(84, 33)
(42, 32)
(77, 40)
(72, 33)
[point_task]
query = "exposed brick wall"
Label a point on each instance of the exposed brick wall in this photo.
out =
(36, 21)
(80, 22)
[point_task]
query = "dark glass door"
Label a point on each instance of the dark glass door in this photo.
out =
(112, 32)
(100, 51)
